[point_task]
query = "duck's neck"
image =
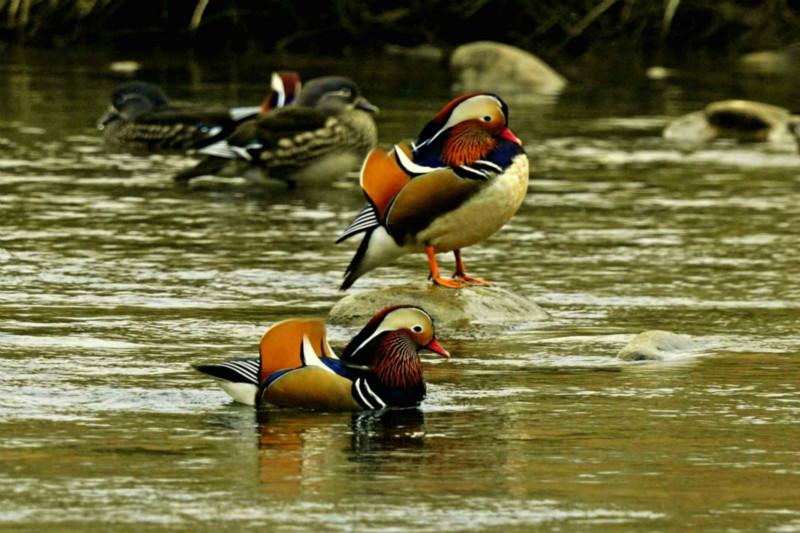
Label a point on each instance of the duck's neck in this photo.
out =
(396, 364)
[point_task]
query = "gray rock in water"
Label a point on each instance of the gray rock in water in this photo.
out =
(495, 67)
(450, 308)
(657, 345)
(745, 120)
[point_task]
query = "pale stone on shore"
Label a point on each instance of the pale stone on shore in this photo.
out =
(486, 66)
(450, 308)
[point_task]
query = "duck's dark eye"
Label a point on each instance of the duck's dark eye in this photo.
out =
(417, 329)
(487, 118)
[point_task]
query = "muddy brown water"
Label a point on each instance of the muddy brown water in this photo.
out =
(113, 281)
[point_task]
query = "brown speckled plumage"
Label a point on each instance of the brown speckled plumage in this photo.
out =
(316, 140)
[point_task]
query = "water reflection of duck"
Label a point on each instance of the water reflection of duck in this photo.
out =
(295, 447)
(375, 432)
(380, 367)
(324, 135)
(459, 183)
(142, 117)
(745, 120)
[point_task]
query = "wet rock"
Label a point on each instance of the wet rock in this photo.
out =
(657, 345)
(496, 67)
(745, 120)
(450, 308)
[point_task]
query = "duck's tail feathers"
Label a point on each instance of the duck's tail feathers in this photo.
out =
(377, 248)
(237, 377)
(366, 220)
(354, 269)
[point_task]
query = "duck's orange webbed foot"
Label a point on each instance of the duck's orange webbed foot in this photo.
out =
(470, 280)
(462, 275)
(450, 283)
(436, 277)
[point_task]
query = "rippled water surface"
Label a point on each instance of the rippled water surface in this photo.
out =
(114, 281)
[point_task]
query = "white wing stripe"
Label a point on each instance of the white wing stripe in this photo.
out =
(310, 357)
(220, 149)
(409, 166)
(239, 113)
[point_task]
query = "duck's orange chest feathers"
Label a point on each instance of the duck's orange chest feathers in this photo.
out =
(467, 143)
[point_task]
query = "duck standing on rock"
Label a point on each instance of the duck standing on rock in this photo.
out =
(325, 134)
(379, 368)
(460, 182)
(141, 117)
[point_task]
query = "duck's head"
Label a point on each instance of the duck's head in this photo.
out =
(131, 100)
(390, 342)
(468, 128)
(334, 94)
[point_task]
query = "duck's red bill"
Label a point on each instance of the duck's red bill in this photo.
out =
(509, 136)
(434, 346)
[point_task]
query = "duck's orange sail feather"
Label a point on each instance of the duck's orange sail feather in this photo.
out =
(382, 178)
(281, 345)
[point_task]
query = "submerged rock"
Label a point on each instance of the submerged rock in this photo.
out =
(450, 308)
(780, 61)
(657, 345)
(745, 120)
(495, 67)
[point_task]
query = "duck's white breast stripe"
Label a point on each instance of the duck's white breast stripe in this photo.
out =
(490, 164)
(481, 174)
(372, 394)
(360, 394)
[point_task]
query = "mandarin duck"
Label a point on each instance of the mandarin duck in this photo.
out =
(142, 117)
(460, 182)
(745, 120)
(325, 134)
(379, 367)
